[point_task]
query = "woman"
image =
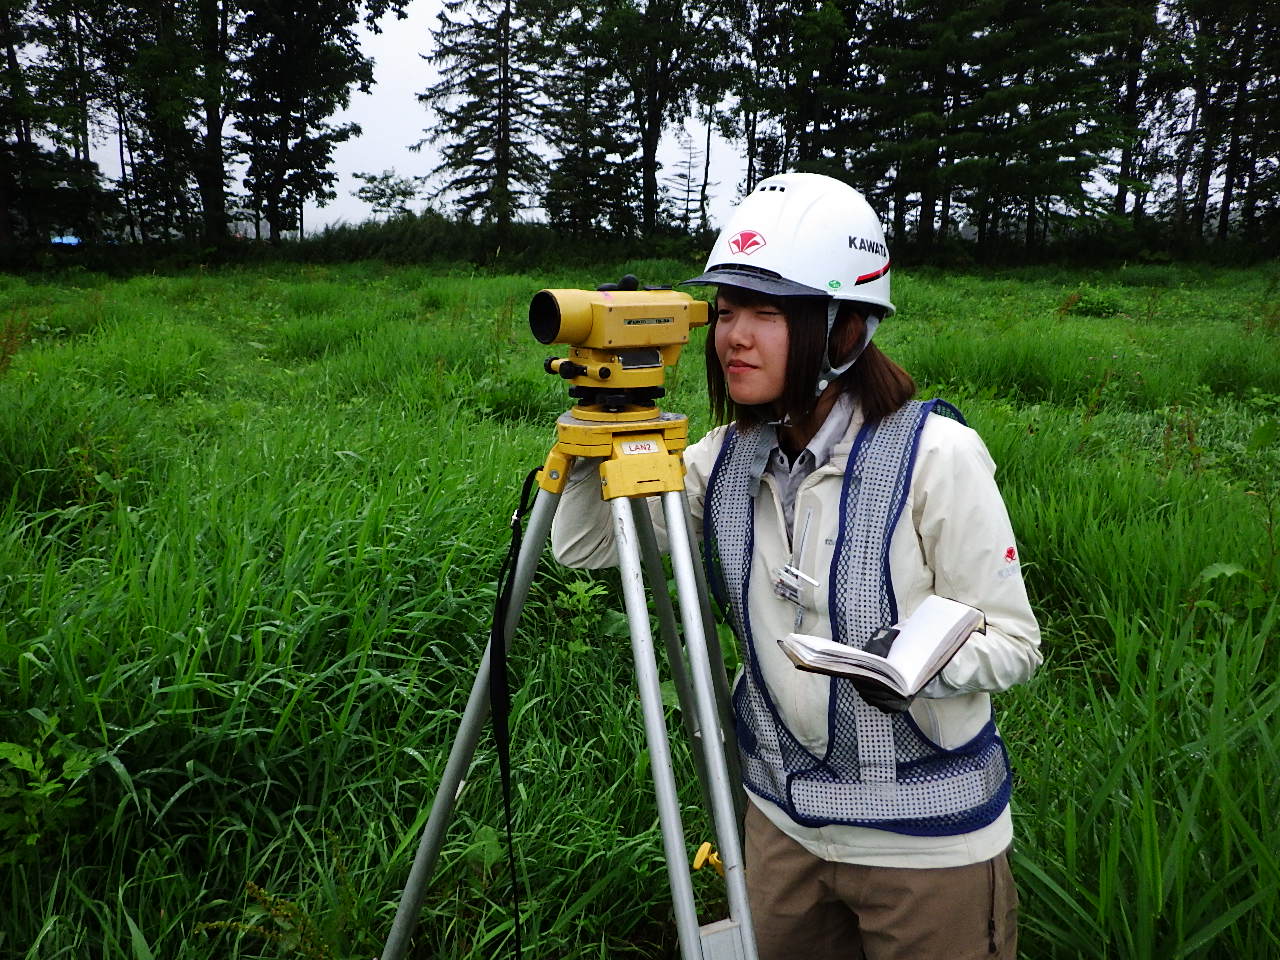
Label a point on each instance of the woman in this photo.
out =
(832, 504)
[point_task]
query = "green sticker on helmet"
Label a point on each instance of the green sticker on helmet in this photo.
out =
(834, 284)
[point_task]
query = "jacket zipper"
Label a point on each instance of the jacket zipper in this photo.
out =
(796, 555)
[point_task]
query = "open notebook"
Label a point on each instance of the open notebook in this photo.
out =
(903, 657)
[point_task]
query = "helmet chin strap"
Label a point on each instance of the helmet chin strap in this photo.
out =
(828, 372)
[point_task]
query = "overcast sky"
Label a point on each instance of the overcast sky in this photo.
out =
(391, 119)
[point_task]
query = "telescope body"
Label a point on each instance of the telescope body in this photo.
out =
(620, 339)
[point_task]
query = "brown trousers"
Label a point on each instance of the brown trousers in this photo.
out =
(805, 907)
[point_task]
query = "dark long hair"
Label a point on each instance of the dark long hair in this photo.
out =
(878, 384)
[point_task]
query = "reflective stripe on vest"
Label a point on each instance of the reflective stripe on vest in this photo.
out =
(878, 770)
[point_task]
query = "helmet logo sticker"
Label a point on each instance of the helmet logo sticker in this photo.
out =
(746, 242)
(834, 284)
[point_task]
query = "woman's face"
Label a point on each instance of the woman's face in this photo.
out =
(751, 344)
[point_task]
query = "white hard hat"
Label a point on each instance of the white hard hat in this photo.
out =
(803, 234)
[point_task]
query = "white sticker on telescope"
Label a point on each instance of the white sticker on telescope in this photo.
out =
(641, 446)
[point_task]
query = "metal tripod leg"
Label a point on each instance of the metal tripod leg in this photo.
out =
(719, 675)
(720, 787)
(655, 727)
(651, 561)
(731, 939)
(469, 730)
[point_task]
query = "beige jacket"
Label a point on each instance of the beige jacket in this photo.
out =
(953, 539)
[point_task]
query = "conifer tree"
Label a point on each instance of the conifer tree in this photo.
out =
(593, 183)
(298, 69)
(1037, 123)
(47, 89)
(658, 50)
(486, 108)
(683, 183)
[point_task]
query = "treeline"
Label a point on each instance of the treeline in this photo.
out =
(189, 91)
(1008, 124)
(999, 126)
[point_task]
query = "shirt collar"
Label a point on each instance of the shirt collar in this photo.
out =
(832, 430)
(818, 449)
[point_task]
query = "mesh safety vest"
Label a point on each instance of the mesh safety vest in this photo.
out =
(878, 770)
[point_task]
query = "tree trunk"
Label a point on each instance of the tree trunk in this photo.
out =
(994, 225)
(703, 219)
(1182, 161)
(1248, 210)
(81, 142)
(1207, 161)
(19, 96)
(899, 208)
(944, 220)
(209, 165)
(1129, 113)
(8, 242)
(126, 165)
(1240, 109)
(502, 200)
(275, 195)
(10, 180)
(650, 134)
(928, 200)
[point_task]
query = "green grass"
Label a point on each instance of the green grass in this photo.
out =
(251, 527)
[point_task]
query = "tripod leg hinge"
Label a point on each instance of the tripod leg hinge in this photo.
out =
(555, 471)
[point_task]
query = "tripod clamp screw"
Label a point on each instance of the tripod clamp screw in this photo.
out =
(706, 855)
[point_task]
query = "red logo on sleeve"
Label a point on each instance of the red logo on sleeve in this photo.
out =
(1010, 555)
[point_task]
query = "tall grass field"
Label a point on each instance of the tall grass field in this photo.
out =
(250, 530)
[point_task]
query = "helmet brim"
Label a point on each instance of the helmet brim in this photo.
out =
(753, 278)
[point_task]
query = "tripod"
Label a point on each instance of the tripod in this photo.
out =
(640, 451)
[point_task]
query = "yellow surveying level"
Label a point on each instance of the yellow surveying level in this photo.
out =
(621, 341)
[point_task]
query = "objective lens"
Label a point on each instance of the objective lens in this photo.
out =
(544, 317)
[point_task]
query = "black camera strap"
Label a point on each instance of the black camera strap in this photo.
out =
(500, 686)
